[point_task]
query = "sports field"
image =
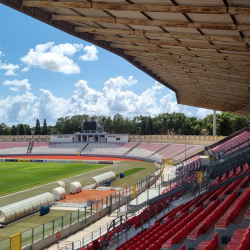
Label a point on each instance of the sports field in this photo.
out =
(17, 176)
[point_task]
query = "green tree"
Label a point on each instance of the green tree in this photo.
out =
(4, 129)
(44, 130)
(21, 129)
(143, 127)
(150, 127)
(13, 130)
(226, 124)
(28, 130)
(37, 128)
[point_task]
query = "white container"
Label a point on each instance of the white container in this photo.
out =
(59, 193)
(75, 187)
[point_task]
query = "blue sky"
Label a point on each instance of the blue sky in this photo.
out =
(46, 73)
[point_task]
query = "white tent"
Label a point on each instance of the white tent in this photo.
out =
(102, 178)
(75, 187)
(59, 193)
(61, 184)
(19, 209)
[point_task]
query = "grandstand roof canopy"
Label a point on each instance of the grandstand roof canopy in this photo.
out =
(199, 49)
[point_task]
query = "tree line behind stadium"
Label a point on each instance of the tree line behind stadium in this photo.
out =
(166, 123)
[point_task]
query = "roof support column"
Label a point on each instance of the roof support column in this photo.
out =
(214, 123)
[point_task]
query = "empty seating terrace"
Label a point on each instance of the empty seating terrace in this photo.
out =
(57, 148)
(13, 147)
(146, 149)
(177, 151)
(107, 148)
(239, 141)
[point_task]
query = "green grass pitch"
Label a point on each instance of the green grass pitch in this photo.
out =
(132, 171)
(17, 176)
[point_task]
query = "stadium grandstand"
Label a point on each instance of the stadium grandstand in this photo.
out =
(195, 198)
(200, 202)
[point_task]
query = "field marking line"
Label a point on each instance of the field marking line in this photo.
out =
(52, 182)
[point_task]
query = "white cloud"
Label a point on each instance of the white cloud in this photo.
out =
(91, 53)
(53, 57)
(204, 112)
(26, 69)
(12, 109)
(19, 84)
(9, 67)
(114, 98)
(14, 88)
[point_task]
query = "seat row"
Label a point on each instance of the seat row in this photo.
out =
(193, 163)
(153, 209)
(232, 142)
(186, 179)
(209, 245)
(207, 218)
(240, 240)
(234, 210)
(219, 179)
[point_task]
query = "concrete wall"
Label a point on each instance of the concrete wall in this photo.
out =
(178, 139)
(23, 138)
(113, 138)
(62, 138)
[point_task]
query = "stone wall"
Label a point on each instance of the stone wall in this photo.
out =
(23, 138)
(177, 139)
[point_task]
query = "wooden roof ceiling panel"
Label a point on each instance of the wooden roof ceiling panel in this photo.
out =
(128, 14)
(230, 44)
(109, 1)
(144, 27)
(228, 33)
(242, 19)
(156, 2)
(92, 13)
(194, 41)
(64, 12)
(85, 25)
(240, 2)
(182, 30)
(210, 18)
(201, 55)
(200, 3)
(161, 38)
(175, 17)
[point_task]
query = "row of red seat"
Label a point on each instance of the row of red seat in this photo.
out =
(179, 229)
(209, 245)
(186, 179)
(168, 224)
(232, 142)
(230, 187)
(233, 211)
(150, 211)
(206, 219)
(230, 175)
(193, 163)
(240, 240)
